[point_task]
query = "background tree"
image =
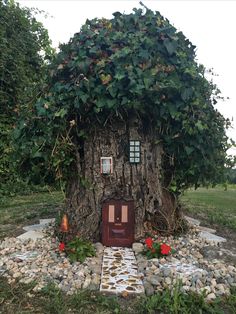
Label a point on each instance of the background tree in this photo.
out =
(134, 65)
(24, 49)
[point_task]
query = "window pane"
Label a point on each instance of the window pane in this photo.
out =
(106, 166)
(131, 154)
(111, 213)
(132, 148)
(137, 143)
(137, 159)
(124, 213)
(131, 142)
(131, 159)
(137, 148)
(137, 154)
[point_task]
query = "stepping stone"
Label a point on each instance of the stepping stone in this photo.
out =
(37, 227)
(182, 268)
(211, 237)
(120, 272)
(47, 221)
(192, 221)
(31, 235)
(43, 223)
(207, 229)
(29, 255)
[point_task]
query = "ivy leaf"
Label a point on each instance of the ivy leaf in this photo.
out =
(170, 46)
(186, 94)
(84, 97)
(200, 126)
(188, 150)
(61, 113)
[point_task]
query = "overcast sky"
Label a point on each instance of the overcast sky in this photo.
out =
(209, 25)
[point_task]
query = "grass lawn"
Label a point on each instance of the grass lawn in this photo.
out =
(216, 205)
(16, 211)
(213, 205)
(19, 299)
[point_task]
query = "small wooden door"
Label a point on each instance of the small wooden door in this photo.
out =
(118, 223)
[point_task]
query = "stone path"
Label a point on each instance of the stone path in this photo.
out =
(205, 233)
(120, 272)
(34, 232)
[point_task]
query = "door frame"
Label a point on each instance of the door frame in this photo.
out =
(106, 225)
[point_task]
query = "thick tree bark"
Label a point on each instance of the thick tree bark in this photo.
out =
(88, 188)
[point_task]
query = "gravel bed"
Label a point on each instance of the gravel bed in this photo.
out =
(190, 265)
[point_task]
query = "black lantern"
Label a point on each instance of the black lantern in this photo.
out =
(134, 151)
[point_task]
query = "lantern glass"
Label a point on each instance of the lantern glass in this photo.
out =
(134, 151)
(106, 165)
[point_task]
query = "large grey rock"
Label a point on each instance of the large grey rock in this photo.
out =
(99, 248)
(211, 237)
(149, 290)
(154, 280)
(137, 247)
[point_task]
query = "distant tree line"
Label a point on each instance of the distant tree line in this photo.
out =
(24, 51)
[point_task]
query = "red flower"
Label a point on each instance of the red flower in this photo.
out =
(62, 246)
(149, 242)
(165, 249)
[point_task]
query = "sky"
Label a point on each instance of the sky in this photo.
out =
(209, 25)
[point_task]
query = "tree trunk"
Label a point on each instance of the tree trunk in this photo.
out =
(88, 189)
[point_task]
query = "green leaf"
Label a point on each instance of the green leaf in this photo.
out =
(84, 97)
(188, 150)
(200, 126)
(170, 46)
(186, 94)
(60, 113)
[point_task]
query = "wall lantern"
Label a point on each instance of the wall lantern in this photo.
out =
(106, 165)
(134, 151)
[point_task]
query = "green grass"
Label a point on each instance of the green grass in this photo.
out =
(25, 209)
(177, 302)
(20, 298)
(214, 205)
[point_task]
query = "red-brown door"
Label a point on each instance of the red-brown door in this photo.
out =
(118, 223)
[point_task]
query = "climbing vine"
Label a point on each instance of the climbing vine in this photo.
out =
(133, 64)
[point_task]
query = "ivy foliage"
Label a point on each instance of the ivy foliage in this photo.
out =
(24, 51)
(132, 64)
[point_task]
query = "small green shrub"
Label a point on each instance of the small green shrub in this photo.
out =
(78, 249)
(178, 302)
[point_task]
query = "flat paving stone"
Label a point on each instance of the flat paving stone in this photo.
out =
(47, 221)
(182, 268)
(120, 272)
(29, 255)
(31, 235)
(207, 229)
(192, 221)
(211, 237)
(37, 227)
